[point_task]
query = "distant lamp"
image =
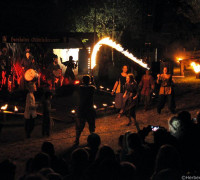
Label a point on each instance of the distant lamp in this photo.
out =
(95, 107)
(16, 109)
(73, 111)
(105, 105)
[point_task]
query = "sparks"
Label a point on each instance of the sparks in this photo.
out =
(118, 47)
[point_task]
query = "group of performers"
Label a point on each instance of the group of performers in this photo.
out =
(128, 92)
(30, 71)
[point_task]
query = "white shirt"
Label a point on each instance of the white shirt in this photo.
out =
(30, 109)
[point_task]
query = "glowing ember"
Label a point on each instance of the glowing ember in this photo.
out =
(95, 107)
(4, 107)
(196, 67)
(113, 102)
(118, 47)
(105, 105)
(15, 109)
(101, 87)
(108, 89)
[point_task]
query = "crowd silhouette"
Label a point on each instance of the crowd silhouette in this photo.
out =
(174, 153)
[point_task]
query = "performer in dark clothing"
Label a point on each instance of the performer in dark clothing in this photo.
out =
(166, 91)
(147, 86)
(27, 61)
(130, 99)
(86, 111)
(70, 66)
(55, 74)
(119, 87)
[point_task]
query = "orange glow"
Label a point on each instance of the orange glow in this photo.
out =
(4, 107)
(196, 67)
(118, 47)
(73, 111)
(179, 59)
(15, 109)
(77, 82)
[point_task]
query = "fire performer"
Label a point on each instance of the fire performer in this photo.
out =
(30, 110)
(166, 91)
(86, 110)
(130, 99)
(70, 66)
(119, 87)
(146, 86)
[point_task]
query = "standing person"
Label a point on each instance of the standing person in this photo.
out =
(30, 110)
(70, 66)
(166, 91)
(130, 99)
(147, 86)
(119, 87)
(86, 111)
(55, 73)
(46, 114)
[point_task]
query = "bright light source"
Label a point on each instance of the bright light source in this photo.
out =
(76, 82)
(73, 111)
(95, 107)
(113, 102)
(101, 87)
(15, 109)
(196, 67)
(105, 105)
(179, 59)
(4, 107)
(118, 47)
(108, 89)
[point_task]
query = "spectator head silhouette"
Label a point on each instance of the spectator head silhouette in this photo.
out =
(35, 177)
(94, 141)
(105, 152)
(41, 160)
(167, 157)
(134, 141)
(127, 171)
(86, 79)
(167, 174)
(185, 118)
(46, 171)
(7, 170)
(54, 176)
(48, 148)
(79, 158)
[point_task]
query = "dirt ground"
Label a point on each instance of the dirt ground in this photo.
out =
(13, 145)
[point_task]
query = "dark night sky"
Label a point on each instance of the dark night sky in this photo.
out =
(32, 15)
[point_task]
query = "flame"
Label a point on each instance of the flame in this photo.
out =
(196, 67)
(15, 109)
(118, 47)
(4, 107)
(179, 59)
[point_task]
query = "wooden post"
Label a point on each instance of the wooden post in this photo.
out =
(182, 68)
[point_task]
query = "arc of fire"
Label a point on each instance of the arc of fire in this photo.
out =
(119, 48)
